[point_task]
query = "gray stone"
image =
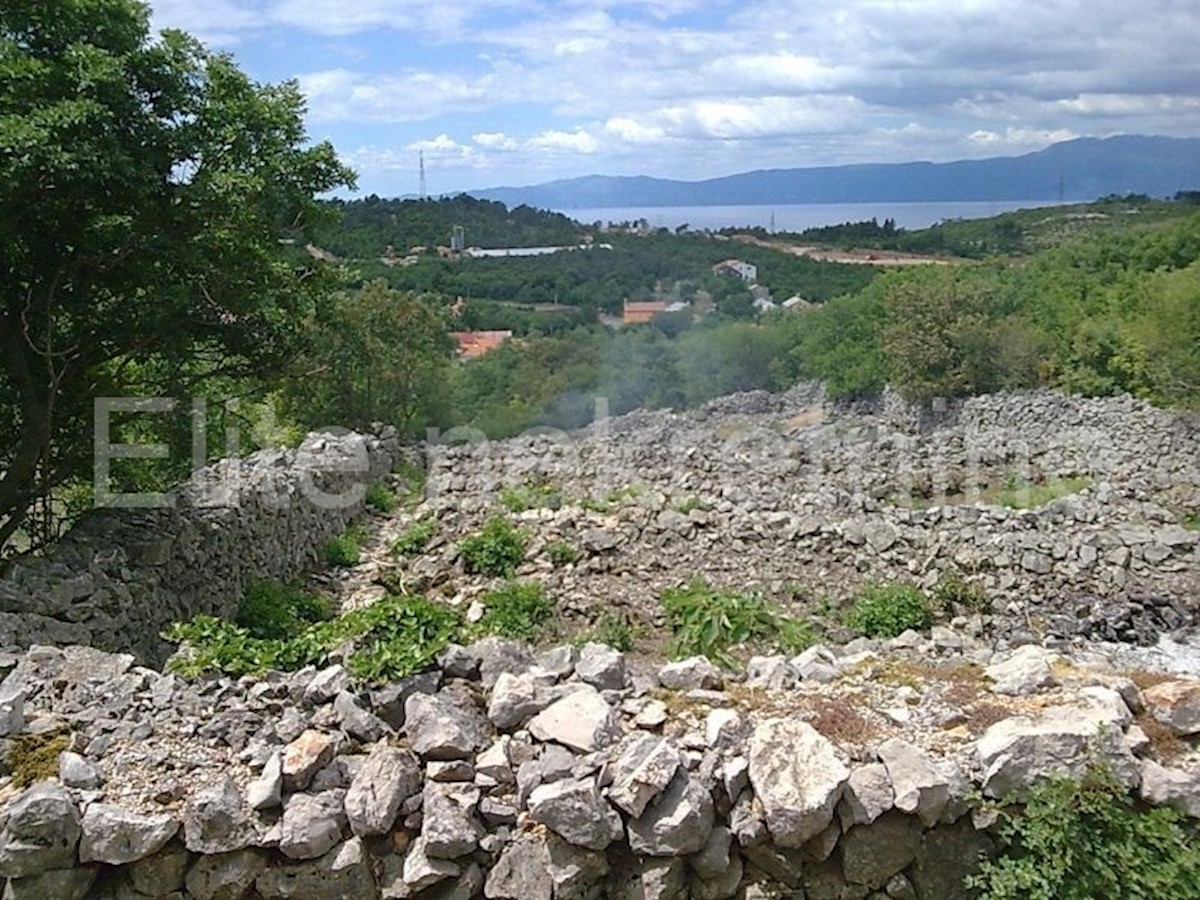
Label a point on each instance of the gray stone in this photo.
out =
(76, 772)
(1171, 787)
(160, 874)
(770, 672)
(41, 831)
(311, 824)
(326, 685)
(948, 854)
(798, 777)
(365, 727)
(696, 672)
(677, 823)
(422, 870)
(646, 766)
(919, 787)
(214, 820)
(342, 873)
(558, 661)
(515, 700)
(438, 730)
(451, 828)
(117, 836)
(536, 867)
(497, 655)
(56, 884)
(1175, 704)
(601, 666)
(582, 720)
(713, 860)
(389, 700)
(652, 879)
(266, 791)
(225, 876)
(872, 854)
(386, 779)
(868, 795)
(1025, 671)
(575, 811)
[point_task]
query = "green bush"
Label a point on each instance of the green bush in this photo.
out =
(1083, 840)
(272, 610)
(709, 622)
(518, 610)
(563, 554)
(381, 498)
(952, 589)
(415, 538)
(531, 496)
(345, 549)
(888, 610)
(497, 550)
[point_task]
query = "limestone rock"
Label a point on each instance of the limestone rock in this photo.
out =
(76, 772)
(515, 700)
(677, 823)
(309, 753)
(642, 772)
(311, 824)
(689, 674)
(546, 867)
(225, 876)
(386, 779)
(1176, 704)
(575, 811)
(451, 828)
(919, 787)
(1025, 671)
(266, 791)
(55, 884)
(342, 873)
(117, 836)
(582, 720)
(422, 870)
(160, 874)
(1171, 787)
(798, 777)
(214, 820)
(713, 860)
(41, 831)
(872, 854)
(868, 795)
(438, 729)
(601, 666)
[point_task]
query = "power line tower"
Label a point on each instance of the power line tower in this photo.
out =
(423, 191)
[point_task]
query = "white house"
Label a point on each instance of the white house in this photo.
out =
(748, 272)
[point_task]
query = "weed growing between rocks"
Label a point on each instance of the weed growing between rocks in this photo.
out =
(1087, 839)
(709, 622)
(613, 629)
(519, 609)
(952, 590)
(1020, 493)
(415, 538)
(270, 610)
(563, 554)
(495, 551)
(34, 757)
(346, 549)
(531, 496)
(381, 498)
(888, 610)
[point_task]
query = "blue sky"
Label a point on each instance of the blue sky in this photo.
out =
(515, 92)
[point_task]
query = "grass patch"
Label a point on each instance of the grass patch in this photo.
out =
(346, 549)
(1191, 522)
(710, 622)
(1079, 840)
(414, 478)
(562, 553)
(606, 502)
(687, 504)
(270, 610)
(415, 538)
(381, 498)
(1019, 493)
(34, 757)
(890, 609)
(613, 629)
(531, 496)
(495, 551)
(518, 609)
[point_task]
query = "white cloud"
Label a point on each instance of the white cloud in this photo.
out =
(553, 141)
(494, 140)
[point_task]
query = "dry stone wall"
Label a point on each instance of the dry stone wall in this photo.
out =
(121, 576)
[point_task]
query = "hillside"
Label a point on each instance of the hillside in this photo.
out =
(1080, 169)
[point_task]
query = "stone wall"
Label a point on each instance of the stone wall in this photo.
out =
(843, 773)
(122, 575)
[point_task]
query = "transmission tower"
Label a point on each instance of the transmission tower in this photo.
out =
(423, 191)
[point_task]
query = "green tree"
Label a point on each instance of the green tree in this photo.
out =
(145, 186)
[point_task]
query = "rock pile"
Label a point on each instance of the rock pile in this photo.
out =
(505, 772)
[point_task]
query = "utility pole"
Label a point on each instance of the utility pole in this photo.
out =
(424, 192)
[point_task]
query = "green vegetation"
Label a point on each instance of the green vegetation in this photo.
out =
(612, 499)
(518, 610)
(954, 590)
(34, 757)
(531, 496)
(415, 538)
(155, 182)
(687, 504)
(711, 622)
(562, 553)
(381, 498)
(1018, 493)
(270, 610)
(346, 549)
(888, 610)
(1083, 840)
(613, 629)
(497, 550)
(1191, 522)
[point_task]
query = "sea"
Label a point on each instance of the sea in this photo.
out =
(800, 217)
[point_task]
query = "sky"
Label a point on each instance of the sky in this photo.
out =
(515, 92)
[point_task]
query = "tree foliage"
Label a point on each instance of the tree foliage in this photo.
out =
(145, 185)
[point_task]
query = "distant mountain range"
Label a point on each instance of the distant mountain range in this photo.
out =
(1081, 169)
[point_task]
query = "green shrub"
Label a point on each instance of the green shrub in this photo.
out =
(952, 588)
(518, 610)
(888, 610)
(34, 757)
(1083, 840)
(273, 610)
(615, 630)
(563, 554)
(531, 496)
(345, 549)
(709, 622)
(415, 538)
(497, 550)
(381, 498)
